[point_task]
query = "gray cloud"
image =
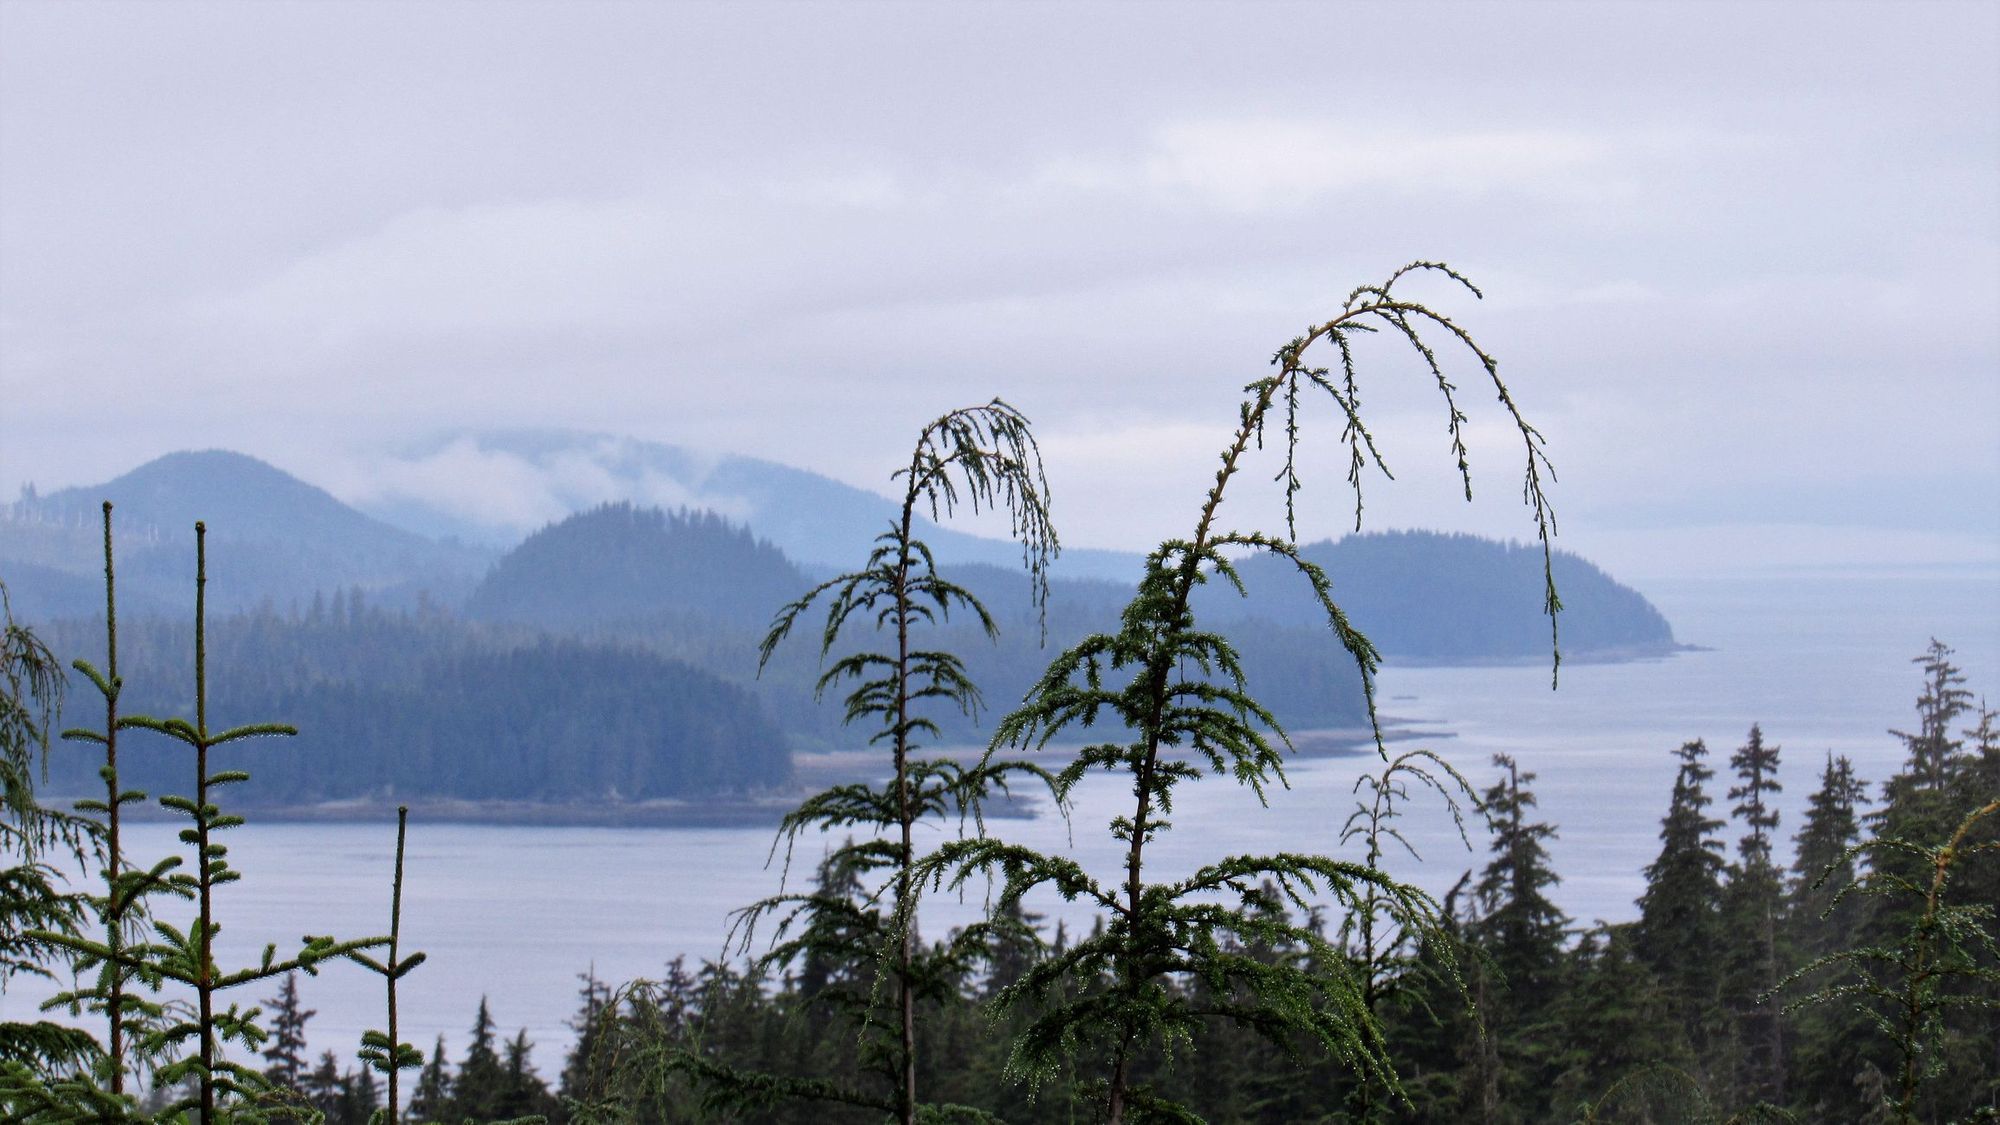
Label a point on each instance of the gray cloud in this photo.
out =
(1752, 257)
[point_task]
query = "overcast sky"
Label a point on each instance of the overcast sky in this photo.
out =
(1742, 260)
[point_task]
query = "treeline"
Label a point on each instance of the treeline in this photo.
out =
(402, 705)
(695, 587)
(421, 703)
(494, 1080)
(1823, 990)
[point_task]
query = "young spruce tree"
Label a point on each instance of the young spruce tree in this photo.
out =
(981, 457)
(1177, 706)
(215, 1087)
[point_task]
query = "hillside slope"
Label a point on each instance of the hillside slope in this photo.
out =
(272, 537)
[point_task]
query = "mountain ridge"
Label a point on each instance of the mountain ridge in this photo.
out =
(1426, 591)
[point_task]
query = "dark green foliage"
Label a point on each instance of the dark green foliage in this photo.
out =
(324, 1089)
(982, 457)
(1602, 1038)
(1403, 973)
(586, 1068)
(1934, 753)
(1923, 967)
(33, 904)
(1518, 921)
(1175, 704)
(1680, 913)
(285, 1049)
(1756, 767)
(1752, 905)
(1519, 933)
(431, 1100)
(1822, 863)
(187, 1041)
(1925, 990)
(481, 1079)
(522, 1091)
(1830, 1039)
(1614, 1020)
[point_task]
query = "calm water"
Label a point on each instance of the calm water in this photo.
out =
(516, 913)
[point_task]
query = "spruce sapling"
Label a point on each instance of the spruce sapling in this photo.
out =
(981, 457)
(1180, 695)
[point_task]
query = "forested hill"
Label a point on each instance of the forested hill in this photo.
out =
(621, 563)
(403, 706)
(1437, 597)
(615, 651)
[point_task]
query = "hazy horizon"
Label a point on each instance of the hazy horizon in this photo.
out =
(1740, 272)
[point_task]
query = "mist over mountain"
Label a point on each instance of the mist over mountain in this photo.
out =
(271, 537)
(494, 487)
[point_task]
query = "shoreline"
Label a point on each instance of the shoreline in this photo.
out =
(811, 772)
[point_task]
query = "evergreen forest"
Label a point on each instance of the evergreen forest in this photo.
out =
(1841, 969)
(1854, 983)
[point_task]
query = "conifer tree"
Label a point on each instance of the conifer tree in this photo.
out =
(1925, 805)
(1756, 767)
(982, 457)
(1932, 749)
(1822, 864)
(1520, 931)
(1680, 910)
(1931, 992)
(285, 1049)
(431, 1100)
(1615, 1021)
(32, 903)
(188, 957)
(360, 1099)
(481, 1078)
(586, 1068)
(121, 908)
(1821, 920)
(1937, 786)
(1179, 697)
(324, 1087)
(1518, 922)
(522, 1091)
(1751, 908)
